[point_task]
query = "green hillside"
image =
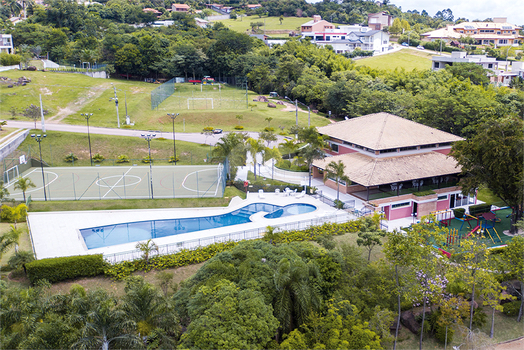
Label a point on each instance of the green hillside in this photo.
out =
(407, 59)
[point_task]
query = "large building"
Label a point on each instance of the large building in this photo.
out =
(498, 32)
(396, 165)
(345, 38)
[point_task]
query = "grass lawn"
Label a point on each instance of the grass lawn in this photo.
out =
(404, 59)
(485, 195)
(58, 144)
(242, 24)
(67, 95)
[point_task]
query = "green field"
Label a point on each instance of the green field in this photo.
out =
(67, 95)
(57, 145)
(272, 23)
(407, 59)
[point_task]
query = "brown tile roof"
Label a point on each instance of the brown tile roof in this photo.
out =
(370, 171)
(383, 130)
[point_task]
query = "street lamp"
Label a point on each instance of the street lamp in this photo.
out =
(87, 116)
(296, 108)
(173, 117)
(148, 138)
(39, 139)
(308, 113)
(116, 104)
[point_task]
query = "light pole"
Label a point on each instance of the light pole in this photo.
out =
(148, 138)
(308, 113)
(116, 104)
(296, 108)
(87, 116)
(39, 139)
(173, 117)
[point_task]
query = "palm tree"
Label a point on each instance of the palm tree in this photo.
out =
(335, 171)
(147, 248)
(23, 184)
(272, 153)
(20, 258)
(231, 146)
(106, 326)
(297, 296)
(309, 153)
(146, 306)
(10, 239)
(13, 6)
(290, 146)
(254, 147)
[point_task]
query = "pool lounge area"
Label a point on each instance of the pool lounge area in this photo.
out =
(108, 232)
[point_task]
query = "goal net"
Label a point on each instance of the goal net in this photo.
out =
(11, 175)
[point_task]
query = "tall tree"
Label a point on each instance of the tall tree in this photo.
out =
(335, 171)
(370, 234)
(514, 259)
(231, 146)
(254, 147)
(494, 158)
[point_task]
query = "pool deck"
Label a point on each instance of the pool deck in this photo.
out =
(57, 234)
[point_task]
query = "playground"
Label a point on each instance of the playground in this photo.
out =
(118, 182)
(486, 225)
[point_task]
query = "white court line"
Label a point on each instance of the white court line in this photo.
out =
(111, 188)
(194, 172)
(27, 175)
(39, 188)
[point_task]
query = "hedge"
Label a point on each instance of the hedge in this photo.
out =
(188, 257)
(59, 269)
(475, 210)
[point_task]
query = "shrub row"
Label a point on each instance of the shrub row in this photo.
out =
(183, 258)
(59, 269)
(268, 188)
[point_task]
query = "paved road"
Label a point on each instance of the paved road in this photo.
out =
(189, 137)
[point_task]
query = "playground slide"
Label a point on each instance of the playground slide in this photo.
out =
(473, 231)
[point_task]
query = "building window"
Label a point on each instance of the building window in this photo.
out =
(428, 146)
(498, 32)
(490, 65)
(441, 198)
(407, 148)
(390, 150)
(400, 205)
(334, 147)
(435, 65)
(503, 41)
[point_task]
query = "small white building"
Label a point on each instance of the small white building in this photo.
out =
(440, 62)
(6, 43)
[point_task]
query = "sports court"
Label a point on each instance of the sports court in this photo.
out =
(123, 182)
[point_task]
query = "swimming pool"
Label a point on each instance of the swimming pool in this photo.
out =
(104, 236)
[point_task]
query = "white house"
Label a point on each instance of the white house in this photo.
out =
(348, 38)
(440, 62)
(6, 43)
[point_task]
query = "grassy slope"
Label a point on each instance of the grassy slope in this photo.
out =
(272, 23)
(407, 59)
(59, 144)
(81, 94)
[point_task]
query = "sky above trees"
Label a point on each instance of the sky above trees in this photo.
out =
(470, 9)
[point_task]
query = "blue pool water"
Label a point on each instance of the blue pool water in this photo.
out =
(104, 236)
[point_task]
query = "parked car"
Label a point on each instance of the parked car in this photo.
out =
(217, 131)
(405, 44)
(420, 47)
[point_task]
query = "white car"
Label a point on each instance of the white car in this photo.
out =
(420, 47)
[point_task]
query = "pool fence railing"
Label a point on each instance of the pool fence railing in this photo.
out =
(237, 236)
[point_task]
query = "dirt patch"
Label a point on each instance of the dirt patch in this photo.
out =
(76, 105)
(46, 91)
(516, 344)
(137, 90)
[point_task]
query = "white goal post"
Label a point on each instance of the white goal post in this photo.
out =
(11, 174)
(199, 98)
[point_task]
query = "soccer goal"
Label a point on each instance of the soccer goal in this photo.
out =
(11, 174)
(191, 101)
